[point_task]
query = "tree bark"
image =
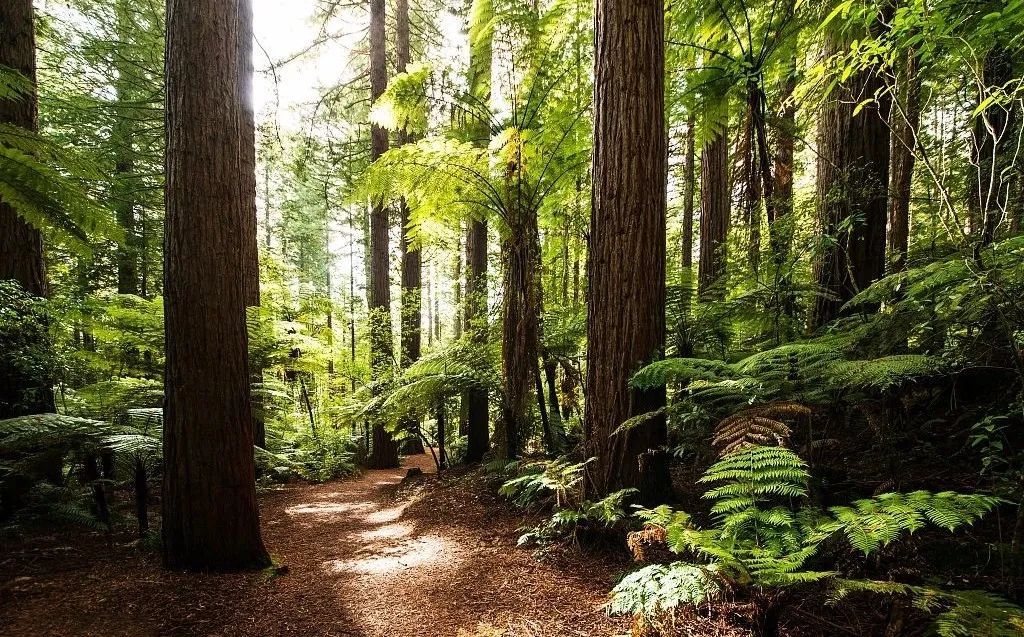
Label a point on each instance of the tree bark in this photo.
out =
(781, 206)
(477, 408)
(904, 125)
(715, 205)
(384, 454)
(626, 247)
(689, 190)
(519, 325)
(412, 262)
(210, 516)
(852, 190)
(21, 245)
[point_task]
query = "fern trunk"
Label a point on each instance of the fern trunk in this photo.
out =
(519, 337)
(626, 247)
(210, 515)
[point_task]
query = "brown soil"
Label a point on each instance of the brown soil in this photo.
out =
(368, 557)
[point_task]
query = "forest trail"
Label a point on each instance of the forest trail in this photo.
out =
(368, 557)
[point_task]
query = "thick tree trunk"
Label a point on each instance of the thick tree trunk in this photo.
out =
(210, 516)
(904, 124)
(852, 191)
(21, 245)
(626, 247)
(384, 454)
(753, 185)
(247, 154)
(715, 205)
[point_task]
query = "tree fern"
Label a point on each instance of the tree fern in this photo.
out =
(765, 534)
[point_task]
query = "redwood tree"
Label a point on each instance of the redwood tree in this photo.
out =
(384, 454)
(210, 516)
(626, 247)
(852, 189)
(715, 204)
(412, 262)
(21, 245)
(904, 122)
(481, 51)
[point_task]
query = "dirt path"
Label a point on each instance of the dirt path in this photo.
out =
(368, 557)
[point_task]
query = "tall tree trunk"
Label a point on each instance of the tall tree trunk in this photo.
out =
(477, 408)
(753, 185)
(715, 205)
(519, 325)
(781, 205)
(384, 454)
(554, 408)
(689, 191)
(904, 124)
(626, 248)
(210, 516)
(21, 245)
(457, 288)
(852, 190)
(127, 253)
(430, 307)
(247, 155)
(412, 262)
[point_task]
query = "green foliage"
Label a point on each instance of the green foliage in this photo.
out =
(30, 358)
(558, 484)
(42, 183)
(765, 534)
(658, 589)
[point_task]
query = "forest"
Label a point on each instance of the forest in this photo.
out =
(512, 318)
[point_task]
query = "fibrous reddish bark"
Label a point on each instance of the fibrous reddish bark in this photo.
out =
(210, 516)
(626, 247)
(384, 453)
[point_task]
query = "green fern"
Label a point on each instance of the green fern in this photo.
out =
(765, 534)
(658, 589)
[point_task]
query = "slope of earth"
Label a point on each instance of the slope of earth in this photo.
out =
(368, 557)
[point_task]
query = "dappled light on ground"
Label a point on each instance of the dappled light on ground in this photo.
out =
(328, 509)
(388, 532)
(393, 560)
(368, 557)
